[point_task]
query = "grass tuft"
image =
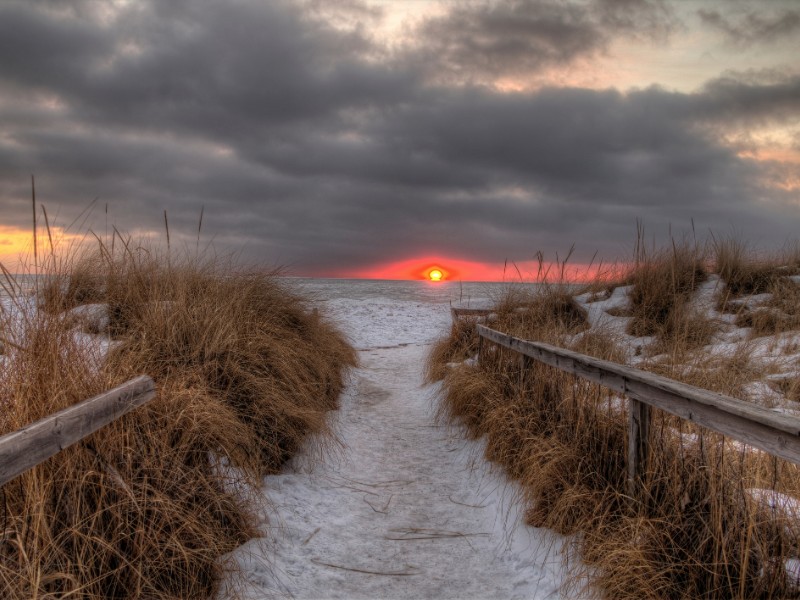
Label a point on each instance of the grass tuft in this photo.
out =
(663, 282)
(698, 530)
(147, 506)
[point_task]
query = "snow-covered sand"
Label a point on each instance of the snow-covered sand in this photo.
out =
(405, 508)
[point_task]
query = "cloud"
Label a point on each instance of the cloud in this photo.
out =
(480, 42)
(754, 26)
(653, 20)
(756, 97)
(308, 144)
(508, 38)
(199, 66)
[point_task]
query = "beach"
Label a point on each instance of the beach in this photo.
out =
(402, 506)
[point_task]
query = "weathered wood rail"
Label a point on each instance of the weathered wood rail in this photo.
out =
(469, 312)
(775, 433)
(27, 447)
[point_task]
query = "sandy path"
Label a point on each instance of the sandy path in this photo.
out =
(406, 509)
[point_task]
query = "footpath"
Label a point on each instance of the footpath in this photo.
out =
(401, 506)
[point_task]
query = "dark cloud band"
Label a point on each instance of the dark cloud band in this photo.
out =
(308, 144)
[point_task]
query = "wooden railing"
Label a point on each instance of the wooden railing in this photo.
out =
(27, 447)
(775, 433)
(469, 312)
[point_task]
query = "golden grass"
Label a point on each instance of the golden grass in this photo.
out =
(695, 532)
(662, 285)
(462, 343)
(747, 274)
(146, 507)
(743, 271)
(779, 313)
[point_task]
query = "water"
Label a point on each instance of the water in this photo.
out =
(18, 285)
(464, 294)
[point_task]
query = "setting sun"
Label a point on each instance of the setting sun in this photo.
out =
(435, 275)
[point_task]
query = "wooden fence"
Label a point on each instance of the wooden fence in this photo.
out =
(27, 447)
(469, 312)
(773, 432)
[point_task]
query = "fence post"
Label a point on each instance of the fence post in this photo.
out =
(762, 428)
(525, 366)
(638, 444)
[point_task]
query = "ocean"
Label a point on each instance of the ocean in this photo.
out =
(457, 293)
(20, 285)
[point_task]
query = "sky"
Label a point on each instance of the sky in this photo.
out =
(381, 138)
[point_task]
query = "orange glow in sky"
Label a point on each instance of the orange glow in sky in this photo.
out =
(16, 246)
(13, 243)
(423, 269)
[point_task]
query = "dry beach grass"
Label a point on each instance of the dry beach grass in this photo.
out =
(145, 508)
(709, 523)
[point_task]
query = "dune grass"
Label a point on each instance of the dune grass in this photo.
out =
(698, 530)
(662, 284)
(747, 274)
(147, 506)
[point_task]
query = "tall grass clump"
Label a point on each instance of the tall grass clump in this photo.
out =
(663, 282)
(707, 521)
(746, 275)
(461, 344)
(743, 272)
(145, 507)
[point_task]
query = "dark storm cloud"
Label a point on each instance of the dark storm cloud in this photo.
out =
(649, 19)
(307, 144)
(522, 36)
(44, 51)
(753, 27)
(763, 97)
(197, 66)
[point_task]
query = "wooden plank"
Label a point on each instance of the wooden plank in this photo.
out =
(469, 312)
(27, 447)
(638, 444)
(776, 433)
(526, 365)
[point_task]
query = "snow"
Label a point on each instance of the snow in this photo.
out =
(614, 325)
(90, 317)
(792, 568)
(752, 301)
(787, 509)
(87, 322)
(786, 506)
(405, 507)
(705, 296)
(597, 310)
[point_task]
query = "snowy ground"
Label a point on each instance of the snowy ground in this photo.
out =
(406, 508)
(778, 356)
